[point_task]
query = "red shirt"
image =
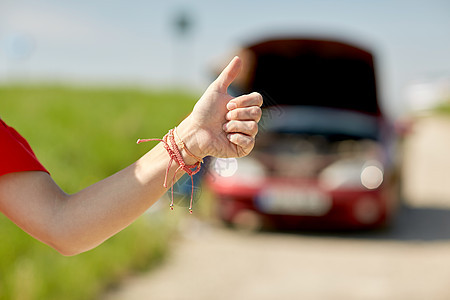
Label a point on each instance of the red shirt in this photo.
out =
(16, 154)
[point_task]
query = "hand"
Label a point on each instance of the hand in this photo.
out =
(221, 125)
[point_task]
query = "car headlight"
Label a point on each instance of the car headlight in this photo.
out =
(352, 173)
(372, 175)
(246, 170)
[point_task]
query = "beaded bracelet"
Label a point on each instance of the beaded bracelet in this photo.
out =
(171, 147)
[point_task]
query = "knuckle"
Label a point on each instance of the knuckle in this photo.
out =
(240, 140)
(248, 141)
(242, 100)
(255, 111)
(259, 98)
(228, 126)
(231, 115)
(250, 99)
(253, 127)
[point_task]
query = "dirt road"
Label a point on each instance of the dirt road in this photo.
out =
(409, 261)
(214, 263)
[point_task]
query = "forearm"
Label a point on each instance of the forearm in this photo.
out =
(87, 218)
(76, 223)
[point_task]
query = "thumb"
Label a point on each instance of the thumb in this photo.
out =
(228, 74)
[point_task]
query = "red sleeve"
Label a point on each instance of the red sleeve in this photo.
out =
(16, 154)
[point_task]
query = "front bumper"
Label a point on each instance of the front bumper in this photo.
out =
(302, 204)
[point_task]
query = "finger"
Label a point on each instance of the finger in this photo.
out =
(246, 127)
(243, 141)
(252, 113)
(253, 99)
(228, 74)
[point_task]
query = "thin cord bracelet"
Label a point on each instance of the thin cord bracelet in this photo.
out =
(183, 146)
(171, 147)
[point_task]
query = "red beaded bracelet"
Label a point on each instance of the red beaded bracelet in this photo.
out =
(171, 147)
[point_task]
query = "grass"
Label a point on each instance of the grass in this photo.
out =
(83, 135)
(443, 108)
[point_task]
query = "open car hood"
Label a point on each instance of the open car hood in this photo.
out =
(310, 72)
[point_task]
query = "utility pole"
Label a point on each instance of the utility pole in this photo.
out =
(183, 56)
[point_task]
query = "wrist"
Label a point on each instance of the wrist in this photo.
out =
(187, 142)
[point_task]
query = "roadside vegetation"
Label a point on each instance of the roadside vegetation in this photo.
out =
(443, 108)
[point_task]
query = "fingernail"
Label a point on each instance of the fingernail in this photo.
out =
(231, 105)
(224, 127)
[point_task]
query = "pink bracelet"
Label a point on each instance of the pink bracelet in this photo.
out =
(171, 147)
(182, 145)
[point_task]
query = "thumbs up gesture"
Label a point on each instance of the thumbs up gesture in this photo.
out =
(221, 125)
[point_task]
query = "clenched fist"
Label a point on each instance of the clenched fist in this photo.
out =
(221, 125)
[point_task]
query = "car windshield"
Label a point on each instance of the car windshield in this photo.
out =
(332, 123)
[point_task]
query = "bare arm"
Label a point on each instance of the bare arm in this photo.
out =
(76, 223)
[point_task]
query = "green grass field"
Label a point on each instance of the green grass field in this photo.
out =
(443, 108)
(83, 135)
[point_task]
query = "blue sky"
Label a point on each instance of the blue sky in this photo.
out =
(134, 41)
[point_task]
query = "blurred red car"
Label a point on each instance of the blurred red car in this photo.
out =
(324, 154)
